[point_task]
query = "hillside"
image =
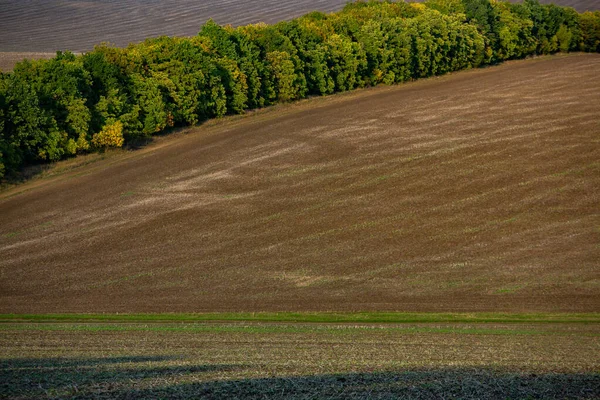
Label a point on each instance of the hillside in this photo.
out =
(477, 191)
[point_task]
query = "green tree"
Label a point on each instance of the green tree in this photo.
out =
(282, 71)
(345, 59)
(590, 32)
(446, 6)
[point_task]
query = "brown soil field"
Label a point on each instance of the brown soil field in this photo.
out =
(9, 59)
(579, 5)
(476, 191)
(78, 25)
(298, 361)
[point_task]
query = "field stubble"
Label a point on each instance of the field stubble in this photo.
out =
(268, 360)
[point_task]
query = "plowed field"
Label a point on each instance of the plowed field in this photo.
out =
(475, 191)
(78, 25)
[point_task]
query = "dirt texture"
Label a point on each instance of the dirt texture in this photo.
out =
(78, 25)
(9, 59)
(477, 191)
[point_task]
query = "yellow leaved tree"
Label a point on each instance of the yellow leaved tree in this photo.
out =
(110, 136)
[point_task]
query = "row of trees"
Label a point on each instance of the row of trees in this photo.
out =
(51, 109)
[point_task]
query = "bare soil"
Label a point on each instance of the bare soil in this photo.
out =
(9, 59)
(78, 25)
(477, 191)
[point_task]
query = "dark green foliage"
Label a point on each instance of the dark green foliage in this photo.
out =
(590, 32)
(30, 132)
(308, 39)
(555, 28)
(482, 14)
(52, 109)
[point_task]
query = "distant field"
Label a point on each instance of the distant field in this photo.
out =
(9, 59)
(477, 191)
(77, 25)
(299, 361)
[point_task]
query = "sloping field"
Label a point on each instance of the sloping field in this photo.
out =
(474, 191)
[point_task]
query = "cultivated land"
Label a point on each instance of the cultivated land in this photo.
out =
(477, 191)
(38, 28)
(187, 359)
(9, 59)
(51, 23)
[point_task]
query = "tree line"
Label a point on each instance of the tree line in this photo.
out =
(57, 108)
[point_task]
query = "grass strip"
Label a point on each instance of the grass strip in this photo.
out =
(316, 317)
(278, 329)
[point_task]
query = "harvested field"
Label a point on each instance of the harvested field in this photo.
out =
(474, 191)
(258, 360)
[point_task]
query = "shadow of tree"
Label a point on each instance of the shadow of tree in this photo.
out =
(89, 377)
(122, 378)
(424, 384)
